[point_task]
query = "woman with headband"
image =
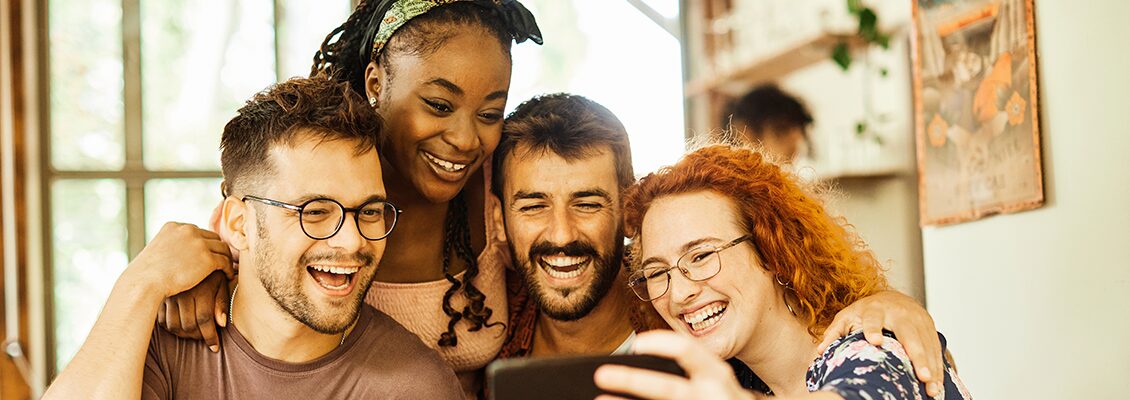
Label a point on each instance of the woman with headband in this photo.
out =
(438, 73)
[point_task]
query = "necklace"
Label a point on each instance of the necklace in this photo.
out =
(231, 306)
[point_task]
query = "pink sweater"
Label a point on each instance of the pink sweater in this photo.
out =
(417, 306)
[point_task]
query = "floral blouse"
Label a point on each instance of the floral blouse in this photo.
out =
(856, 370)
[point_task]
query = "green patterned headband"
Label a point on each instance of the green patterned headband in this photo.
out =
(519, 21)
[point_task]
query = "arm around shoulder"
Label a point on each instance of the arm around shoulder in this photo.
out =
(110, 364)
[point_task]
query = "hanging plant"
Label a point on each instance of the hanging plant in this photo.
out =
(868, 31)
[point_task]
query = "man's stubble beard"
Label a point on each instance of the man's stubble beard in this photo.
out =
(290, 298)
(606, 267)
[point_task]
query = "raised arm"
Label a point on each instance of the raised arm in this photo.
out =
(110, 363)
(195, 313)
(911, 324)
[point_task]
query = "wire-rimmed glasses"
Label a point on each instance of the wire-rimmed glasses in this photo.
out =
(322, 218)
(697, 264)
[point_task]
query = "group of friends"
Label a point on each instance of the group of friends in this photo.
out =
(386, 232)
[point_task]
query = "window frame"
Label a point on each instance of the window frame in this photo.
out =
(133, 173)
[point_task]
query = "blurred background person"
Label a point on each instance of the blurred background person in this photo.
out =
(771, 118)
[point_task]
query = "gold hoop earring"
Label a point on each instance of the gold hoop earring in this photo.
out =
(786, 287)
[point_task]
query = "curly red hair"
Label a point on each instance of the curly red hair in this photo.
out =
(818, 255)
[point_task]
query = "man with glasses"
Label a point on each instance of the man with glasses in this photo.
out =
(305, 207)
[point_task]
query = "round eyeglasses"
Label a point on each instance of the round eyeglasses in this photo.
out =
(698, 264)
(322, 218)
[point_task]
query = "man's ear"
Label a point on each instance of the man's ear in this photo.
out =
(374, 75)
(233, 223)
(499, 224)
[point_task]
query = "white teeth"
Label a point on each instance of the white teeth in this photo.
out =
(705, 317)
(563, 261)
(444, 164)
(335, 269)
(564, 275)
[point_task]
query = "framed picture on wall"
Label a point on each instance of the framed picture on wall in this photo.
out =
(976, 109)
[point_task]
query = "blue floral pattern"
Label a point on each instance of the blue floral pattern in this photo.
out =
(857, 370)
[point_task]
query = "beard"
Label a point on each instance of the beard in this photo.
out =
(284, 285)
(569, 304)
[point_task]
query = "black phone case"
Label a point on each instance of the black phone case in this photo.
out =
(563, 378)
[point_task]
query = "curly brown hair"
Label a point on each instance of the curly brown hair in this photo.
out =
(317, 106)
(819, 256)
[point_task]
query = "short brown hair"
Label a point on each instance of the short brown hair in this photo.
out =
(568, 125)
(313, 106)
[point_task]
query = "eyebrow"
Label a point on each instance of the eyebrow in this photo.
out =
(595, 192)
(522, 194)
(301, 200)
(453, 88)
(686, 247)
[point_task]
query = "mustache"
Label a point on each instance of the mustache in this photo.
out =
(571, 249)
(363, 258)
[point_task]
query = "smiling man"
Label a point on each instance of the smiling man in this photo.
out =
(562, 164)
(307, 209)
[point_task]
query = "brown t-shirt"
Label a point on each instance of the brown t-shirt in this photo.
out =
(379, 359)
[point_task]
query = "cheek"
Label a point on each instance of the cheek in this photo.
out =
(490, 137)
(662, 306)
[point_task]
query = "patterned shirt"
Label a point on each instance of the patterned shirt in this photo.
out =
(854, 369)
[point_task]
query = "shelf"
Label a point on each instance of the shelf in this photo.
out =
(806, 52)
(880, 173)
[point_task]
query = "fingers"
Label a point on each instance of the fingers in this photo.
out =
(206, 328)
(696, 360)
(213, 243)
(872, 321)
(641, 382)
(838, 328)
(220, 306)
(162, 316)
(223, 263)
(925, 352)
(186, 315)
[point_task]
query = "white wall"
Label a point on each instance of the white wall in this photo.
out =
(883, 210)
(1036, 305)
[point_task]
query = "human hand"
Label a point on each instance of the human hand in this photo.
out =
(190, 314)
(708, 377)
(911, 324)
(179, 257)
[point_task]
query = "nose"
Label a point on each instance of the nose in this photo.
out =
(463, 134)
(561, 230)
(348, 238)
(681, 289)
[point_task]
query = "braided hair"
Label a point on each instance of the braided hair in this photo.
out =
(348, 49)
(345, 54)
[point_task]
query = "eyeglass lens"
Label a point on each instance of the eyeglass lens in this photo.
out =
(697, 265)
(323, 218)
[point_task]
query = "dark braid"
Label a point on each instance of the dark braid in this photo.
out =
(457, 240)
(339, 56)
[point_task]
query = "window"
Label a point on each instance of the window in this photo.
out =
(139, 93)
(610, 52)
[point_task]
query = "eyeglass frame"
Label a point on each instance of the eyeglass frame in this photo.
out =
(340, 223)
(632, 283)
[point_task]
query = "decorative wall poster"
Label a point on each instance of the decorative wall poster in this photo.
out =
(975, 99)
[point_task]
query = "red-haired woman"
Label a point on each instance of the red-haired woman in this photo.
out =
(747, 266)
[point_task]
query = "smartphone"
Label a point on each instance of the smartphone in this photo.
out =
(562, 378)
